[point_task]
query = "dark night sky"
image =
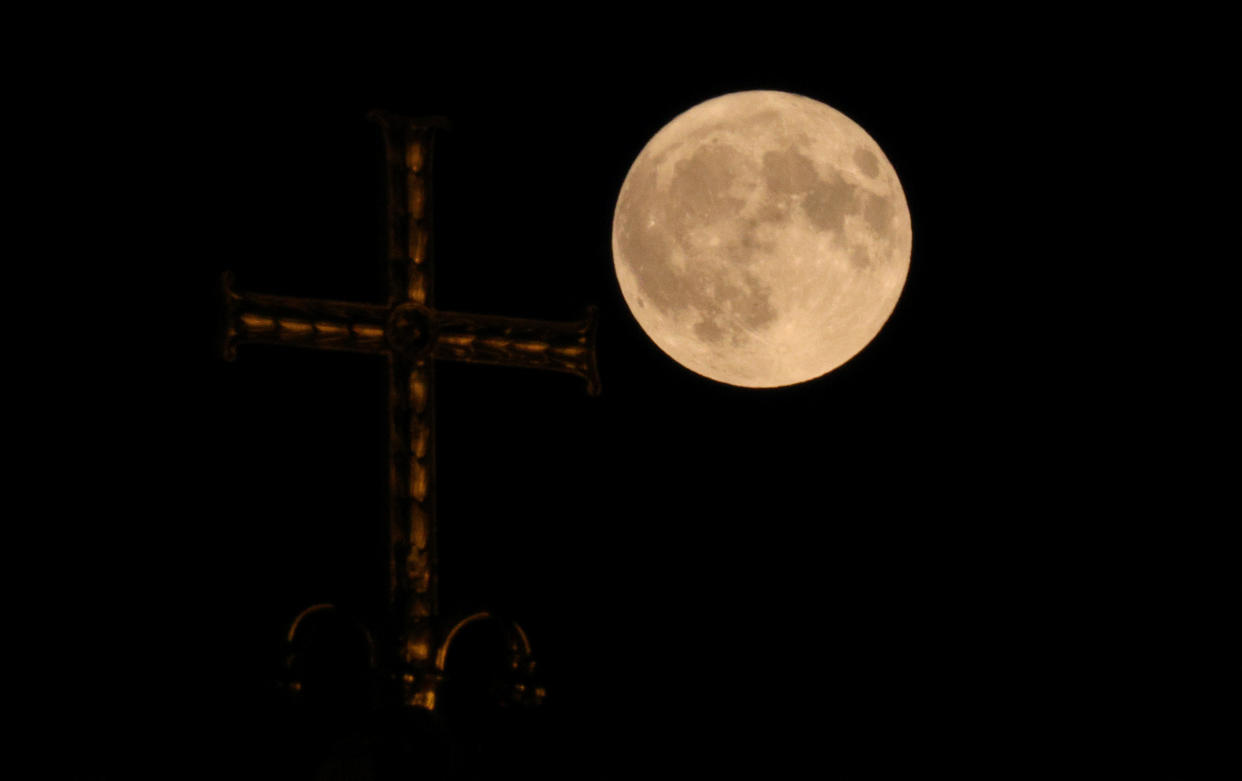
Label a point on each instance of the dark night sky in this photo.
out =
(910, 564)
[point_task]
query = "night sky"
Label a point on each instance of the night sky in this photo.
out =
(909, 565)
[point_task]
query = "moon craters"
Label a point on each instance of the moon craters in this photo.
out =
(676, 233)
(761, 239)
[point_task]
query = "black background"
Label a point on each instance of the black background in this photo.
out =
(937, 558)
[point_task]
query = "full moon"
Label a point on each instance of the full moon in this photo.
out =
(761, 239)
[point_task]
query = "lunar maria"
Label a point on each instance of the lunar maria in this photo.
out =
(761, 239)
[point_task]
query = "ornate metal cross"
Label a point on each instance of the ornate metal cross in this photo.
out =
(413, 335)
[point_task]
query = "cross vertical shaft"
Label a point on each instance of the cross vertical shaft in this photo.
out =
(412, 570)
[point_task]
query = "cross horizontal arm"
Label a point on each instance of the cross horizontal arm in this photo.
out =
(509, 341)
(301, 322)
(413, 331)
